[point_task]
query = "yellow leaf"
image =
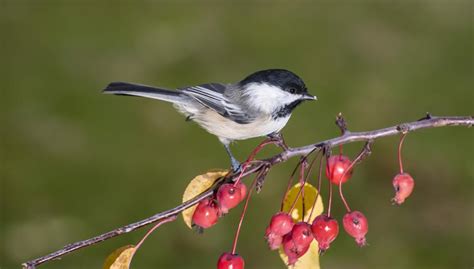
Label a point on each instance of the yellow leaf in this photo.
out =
(310, 260)
(310, 193)
(120, 258)
(197, 186)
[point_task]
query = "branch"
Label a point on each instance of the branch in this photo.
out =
(345, 138)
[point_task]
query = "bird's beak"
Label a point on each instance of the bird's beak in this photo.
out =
(309, 97)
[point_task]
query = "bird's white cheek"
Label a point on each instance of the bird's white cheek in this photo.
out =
(267, 98)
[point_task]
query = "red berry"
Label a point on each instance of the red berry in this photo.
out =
(293, 250)
(301, 234)
(228, 197)
(297, 242)
(357, 226)
(243, 190)
(230, 261)
(280, 224)
(273, 240)
(403, 184)
(206, 214)
(335, 169)
(325, 230)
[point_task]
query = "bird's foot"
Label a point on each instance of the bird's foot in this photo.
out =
(278, 139)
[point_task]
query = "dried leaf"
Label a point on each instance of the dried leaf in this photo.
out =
(197, 186)
(310, 260)
(120, 258)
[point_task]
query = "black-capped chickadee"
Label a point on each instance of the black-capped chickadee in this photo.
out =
(259, 105)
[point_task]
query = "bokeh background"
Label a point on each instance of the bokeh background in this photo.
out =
(76, 163)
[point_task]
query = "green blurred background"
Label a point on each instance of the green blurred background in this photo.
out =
(76, 163)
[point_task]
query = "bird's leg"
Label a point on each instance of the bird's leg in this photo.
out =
(278, 138)
(235, 164)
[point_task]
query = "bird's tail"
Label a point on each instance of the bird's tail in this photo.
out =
(124, 88)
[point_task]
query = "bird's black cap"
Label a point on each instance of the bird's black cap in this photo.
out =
(282, 78)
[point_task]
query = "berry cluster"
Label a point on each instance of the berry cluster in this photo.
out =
(209, 210)
(294, 236)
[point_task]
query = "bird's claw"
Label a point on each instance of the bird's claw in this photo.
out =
(278, 139)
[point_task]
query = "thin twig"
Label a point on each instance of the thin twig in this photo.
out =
(348, 137)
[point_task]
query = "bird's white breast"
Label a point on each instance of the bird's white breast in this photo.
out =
(228, 130)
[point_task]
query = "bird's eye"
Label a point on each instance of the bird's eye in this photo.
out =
(292, 90)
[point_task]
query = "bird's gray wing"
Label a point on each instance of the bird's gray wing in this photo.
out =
(212, 96)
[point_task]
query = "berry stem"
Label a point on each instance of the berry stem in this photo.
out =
(311, 165)
(158, 224)
(364, 152)
(327, 155)
(237, 233)
(330, 199)
(290, 182)
(302, 183)
(310, 170)
(319, 185)
(348, 209)
(303, 180)
(402, 138)
(308, 174)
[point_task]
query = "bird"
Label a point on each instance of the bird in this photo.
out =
(259, 105)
